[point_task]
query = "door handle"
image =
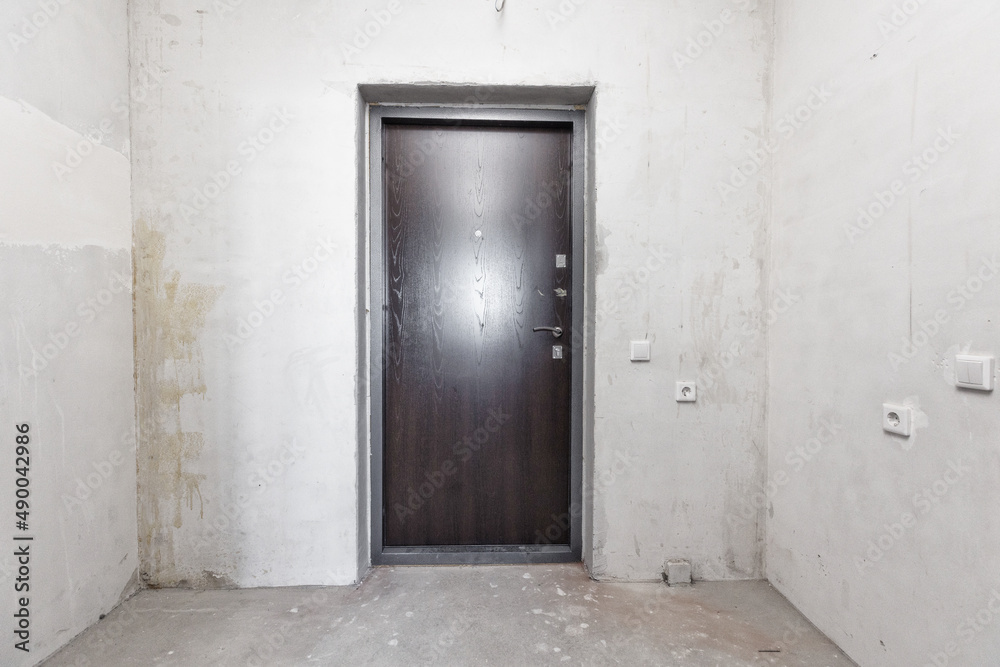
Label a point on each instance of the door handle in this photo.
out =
(556, 331)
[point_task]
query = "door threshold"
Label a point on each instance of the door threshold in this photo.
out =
(477, 555)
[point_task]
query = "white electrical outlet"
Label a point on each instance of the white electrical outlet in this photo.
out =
(687, 392)
(897, 419)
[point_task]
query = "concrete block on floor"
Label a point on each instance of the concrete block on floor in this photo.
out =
(678, 572)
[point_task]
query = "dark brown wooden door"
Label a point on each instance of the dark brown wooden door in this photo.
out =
(476, 408)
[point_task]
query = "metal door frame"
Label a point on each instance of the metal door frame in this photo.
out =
(483, 117)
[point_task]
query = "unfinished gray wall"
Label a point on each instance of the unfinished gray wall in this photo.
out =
(885, 223)
(247, 263)
(66, 306)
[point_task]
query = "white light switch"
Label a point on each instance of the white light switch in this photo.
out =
(975, 372)
(639, 350)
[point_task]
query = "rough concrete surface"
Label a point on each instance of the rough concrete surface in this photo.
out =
(889, 544)
(513, 615)
(66, 326)
(249, 330)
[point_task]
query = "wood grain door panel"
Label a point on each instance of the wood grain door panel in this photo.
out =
(476, 410)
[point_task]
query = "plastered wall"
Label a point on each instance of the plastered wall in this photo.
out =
(66, 365)
(885, 224)
(249, 236)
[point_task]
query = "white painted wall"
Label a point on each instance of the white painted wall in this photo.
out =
(66, 365)
(245, 367)
(889, 593)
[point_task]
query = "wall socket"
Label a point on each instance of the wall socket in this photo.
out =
(897, 419)
(687, 392)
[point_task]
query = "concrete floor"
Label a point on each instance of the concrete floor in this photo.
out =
(536, 615)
